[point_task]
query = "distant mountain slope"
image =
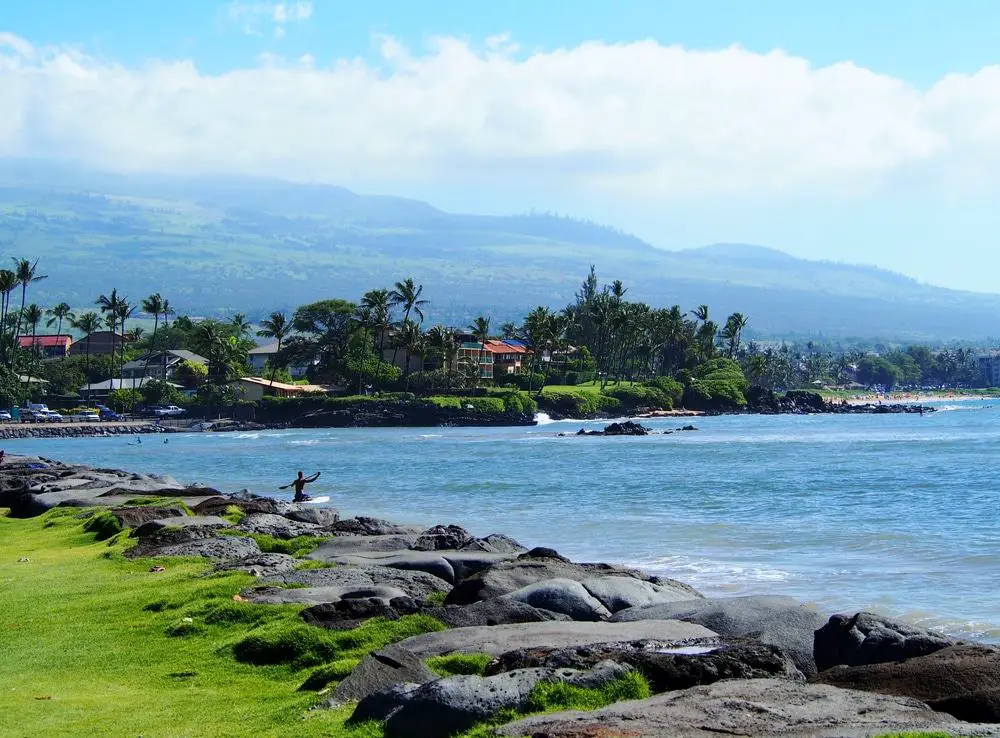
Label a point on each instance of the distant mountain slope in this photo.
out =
(256, 245)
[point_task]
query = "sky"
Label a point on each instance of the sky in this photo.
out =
(851, 131)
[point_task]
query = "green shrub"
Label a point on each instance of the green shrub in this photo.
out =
(103, 525)
(718, 384)
(298, 547)
(302, 645)
(335, 671)
(550, 696)
(234, 514)
(230, 612)
(638, 396)
(460, 663)
(670, 387)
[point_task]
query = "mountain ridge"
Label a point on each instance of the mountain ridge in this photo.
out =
(249, 244)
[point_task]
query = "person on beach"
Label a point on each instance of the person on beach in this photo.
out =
(300, 485)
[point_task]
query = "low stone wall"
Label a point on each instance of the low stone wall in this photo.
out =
(75, 430)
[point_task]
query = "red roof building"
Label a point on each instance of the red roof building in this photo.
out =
(57, 346)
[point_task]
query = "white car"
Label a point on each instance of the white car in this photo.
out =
(89, 417)
(169, 411)
(52, 416)
(5, 416)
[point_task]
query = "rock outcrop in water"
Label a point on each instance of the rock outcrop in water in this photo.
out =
(731, 666)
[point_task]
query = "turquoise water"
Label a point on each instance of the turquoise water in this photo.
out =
(896, 513)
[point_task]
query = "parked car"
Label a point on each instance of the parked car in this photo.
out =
(52, 416)
(32, 416)
(89, 416)
(5, 415)
(170, 411)
(107, 413)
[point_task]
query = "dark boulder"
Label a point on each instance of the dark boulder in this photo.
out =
(134, 517)
(963, 681)
(349, 613)
(447, 707)
(364, 526)
(443, 538)
(501, 611)
(380, 670)
(218, 505)
(747, 707)
(777, 620)
(505, 577)
(866, 638)
(667, 666)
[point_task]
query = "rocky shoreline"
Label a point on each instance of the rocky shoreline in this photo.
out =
(759, 665)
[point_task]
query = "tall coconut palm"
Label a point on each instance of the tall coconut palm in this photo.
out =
(380, 305)
(480, 328)
(8, 283)
(125, 311)
(275, 326)
(241, 326)
(87, 324)
(443, 343)
(411, 339)
(407, 294)
(33, 315)
(26, 272)
(166, 312)
(57, 315)
(153, 305)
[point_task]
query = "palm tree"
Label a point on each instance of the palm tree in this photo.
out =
(110, 306)
(407, 293)
(241, 325)
(508, 330)
(536, 328)
(33, 315)
(276, 326)
(58, 314)
(87, 323)
(732, 333)
(153, 305)
(480, 328)
(443, 342)
(8, 283)
(25, 272)
(380, 304)
(125, 311)
(411, 339)
(701, 313)
(166, 312)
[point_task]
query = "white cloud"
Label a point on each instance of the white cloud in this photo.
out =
(636, 119)
(253, 17)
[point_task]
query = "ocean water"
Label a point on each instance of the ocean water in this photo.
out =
(893, 513)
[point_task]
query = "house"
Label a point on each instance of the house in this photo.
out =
(254, 388)
(396, 355)
(98, 343)
(101, 390)
(161, 364)
(54, 346)
(262, 355)
(496, 358)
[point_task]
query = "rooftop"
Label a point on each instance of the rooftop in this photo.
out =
(59, 340)
(283, 386)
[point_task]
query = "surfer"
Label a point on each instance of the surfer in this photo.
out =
(300, 484)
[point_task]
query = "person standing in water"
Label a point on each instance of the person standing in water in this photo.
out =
(300, 483)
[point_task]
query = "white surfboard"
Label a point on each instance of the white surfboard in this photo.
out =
(316, 500)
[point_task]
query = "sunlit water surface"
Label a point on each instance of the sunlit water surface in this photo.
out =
(896, 513)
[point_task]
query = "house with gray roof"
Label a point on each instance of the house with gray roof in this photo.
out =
(161, 364)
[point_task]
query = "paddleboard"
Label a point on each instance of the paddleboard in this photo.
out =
(316, 500)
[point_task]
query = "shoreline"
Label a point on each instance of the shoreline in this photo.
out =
(522, 611)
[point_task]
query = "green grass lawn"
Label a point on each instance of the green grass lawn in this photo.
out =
(82, 655)
(96, 644)
(592, 388)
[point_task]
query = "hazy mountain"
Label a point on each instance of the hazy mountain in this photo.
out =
(228, 243)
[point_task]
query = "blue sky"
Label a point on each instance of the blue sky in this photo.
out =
(852, 131)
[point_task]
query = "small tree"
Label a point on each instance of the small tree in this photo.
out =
(191, 374)
(157, 392)
(121, 400)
